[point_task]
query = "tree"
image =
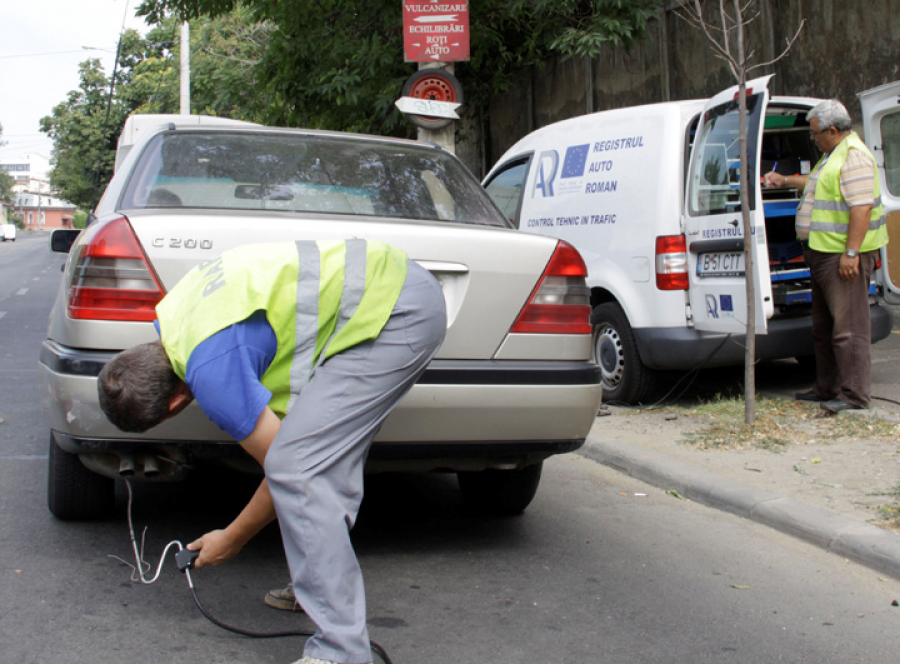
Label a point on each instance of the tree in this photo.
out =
(338, 64)
(225, 59)
(724, 27)
(225, 54)
(86, 126)
(6, 180)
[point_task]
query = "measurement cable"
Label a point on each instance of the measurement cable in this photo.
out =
(184, 559)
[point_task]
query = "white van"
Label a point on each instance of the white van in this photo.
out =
(649, 195)
(8, 232)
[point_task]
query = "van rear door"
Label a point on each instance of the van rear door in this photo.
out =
(712, 215)
(881, 124)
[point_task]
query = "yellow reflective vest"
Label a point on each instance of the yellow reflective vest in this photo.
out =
(830, 219)
(319, 297)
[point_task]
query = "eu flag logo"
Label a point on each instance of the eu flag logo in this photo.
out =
(576, 158)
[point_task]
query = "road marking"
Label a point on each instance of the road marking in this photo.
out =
(22, 291)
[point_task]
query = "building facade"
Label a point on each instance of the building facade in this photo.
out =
(42, 212)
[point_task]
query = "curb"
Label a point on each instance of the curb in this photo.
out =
(861, 542)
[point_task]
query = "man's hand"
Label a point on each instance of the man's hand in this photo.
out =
(773, 179)
(849, 267)
(215, 547)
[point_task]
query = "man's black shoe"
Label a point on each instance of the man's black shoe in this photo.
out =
(836, 405)
(811, 395)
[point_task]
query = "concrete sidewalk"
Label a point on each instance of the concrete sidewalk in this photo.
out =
(861, 542)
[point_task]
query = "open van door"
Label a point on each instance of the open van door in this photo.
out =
(712, 215)
(881, 124)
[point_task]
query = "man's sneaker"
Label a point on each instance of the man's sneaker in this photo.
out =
(282, 598)
(811, 395)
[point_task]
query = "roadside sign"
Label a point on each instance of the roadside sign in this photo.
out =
(428, 107)
(435, 31)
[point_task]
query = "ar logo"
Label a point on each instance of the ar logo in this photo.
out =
(548, 165)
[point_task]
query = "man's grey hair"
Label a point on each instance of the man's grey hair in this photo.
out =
(830, 113)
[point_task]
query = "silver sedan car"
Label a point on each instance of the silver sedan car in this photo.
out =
(512, 384)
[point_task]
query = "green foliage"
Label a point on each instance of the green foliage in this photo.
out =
(79, 220)
(331, 64)
(225, 54)
(6, 184)
(338, 64)
(86, 126)
(224, 63)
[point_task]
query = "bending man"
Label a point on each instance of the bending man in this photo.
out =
(299, 351)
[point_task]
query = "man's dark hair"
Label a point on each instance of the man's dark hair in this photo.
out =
(136, 387)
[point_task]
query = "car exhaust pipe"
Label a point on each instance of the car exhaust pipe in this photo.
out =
(149, 464)
(127, 465)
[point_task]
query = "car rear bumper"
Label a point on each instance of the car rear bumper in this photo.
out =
(461, 415)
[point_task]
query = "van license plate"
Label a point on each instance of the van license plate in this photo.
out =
(721, 264)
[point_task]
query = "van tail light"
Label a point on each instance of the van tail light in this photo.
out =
(671, 263)
(110, 277)
(561, 301)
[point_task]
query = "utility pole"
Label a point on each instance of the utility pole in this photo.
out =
(185, 69)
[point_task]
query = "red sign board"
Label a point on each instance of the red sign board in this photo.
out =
(436, 30)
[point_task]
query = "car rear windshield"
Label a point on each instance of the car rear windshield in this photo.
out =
(305, 174)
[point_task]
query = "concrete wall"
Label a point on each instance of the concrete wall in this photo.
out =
(846, 46)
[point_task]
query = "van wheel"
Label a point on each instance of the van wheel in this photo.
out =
(495, 491)
(625, 378)
(73, 492)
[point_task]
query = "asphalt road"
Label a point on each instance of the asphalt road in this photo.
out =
(601, 568)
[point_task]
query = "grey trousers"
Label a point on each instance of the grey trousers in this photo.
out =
(315, 464)
(842, 328)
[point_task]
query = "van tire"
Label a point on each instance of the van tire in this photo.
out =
(74, 493)
(625, 378)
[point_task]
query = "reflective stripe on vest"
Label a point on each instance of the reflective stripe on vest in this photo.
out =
(830, 218)
(319, 297)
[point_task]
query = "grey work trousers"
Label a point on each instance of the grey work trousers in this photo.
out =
(842, 328)
(315, 464)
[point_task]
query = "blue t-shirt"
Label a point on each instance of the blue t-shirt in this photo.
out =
(224, 373)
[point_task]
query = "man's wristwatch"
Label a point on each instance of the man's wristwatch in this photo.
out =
(852, 253)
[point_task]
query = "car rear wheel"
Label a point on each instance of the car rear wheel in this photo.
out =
(73, 492)
(500, 491)
(625, 378)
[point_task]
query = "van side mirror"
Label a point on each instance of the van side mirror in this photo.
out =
(62, 239)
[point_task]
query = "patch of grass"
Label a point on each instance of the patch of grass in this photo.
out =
(889, 512)
(779, 423)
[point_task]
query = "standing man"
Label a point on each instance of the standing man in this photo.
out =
(840, 221)
(299, 351)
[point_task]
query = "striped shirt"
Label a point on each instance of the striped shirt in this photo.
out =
(857, 188)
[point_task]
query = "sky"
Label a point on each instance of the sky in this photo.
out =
(40, 48)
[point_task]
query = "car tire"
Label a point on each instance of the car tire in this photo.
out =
(625, 378)
(74, 493)
(495, 491)
(436, 84)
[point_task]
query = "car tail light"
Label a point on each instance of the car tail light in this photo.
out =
(110, 277)
(671, 263)
(561, 301)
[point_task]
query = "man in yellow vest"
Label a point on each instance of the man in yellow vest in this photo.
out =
(840, 221)
(299, 351)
